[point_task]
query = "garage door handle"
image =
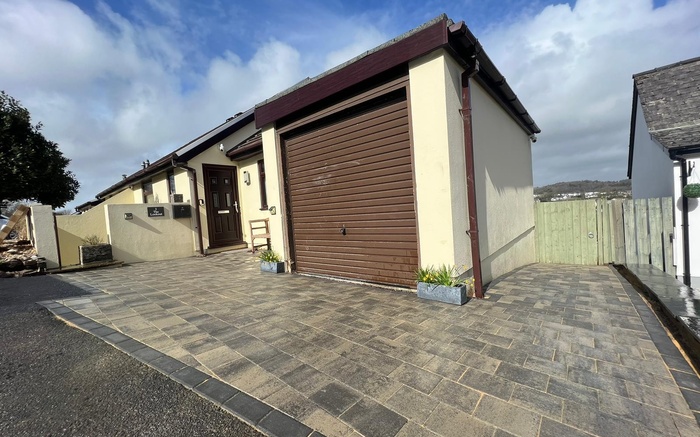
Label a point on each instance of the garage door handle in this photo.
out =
(343, 231)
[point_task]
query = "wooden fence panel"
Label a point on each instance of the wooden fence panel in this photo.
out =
(618, 231)
(656, 233)
(641, 224)
(629, 232)
(590, 232)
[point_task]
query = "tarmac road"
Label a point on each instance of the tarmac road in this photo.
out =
(59, 381)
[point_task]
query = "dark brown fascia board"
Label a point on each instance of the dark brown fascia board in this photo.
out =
(633, 125)
(397, 53)
(90, 203)
(462, 45)
(466, 47)
(215, 139)
(246, 151)
(140, 175)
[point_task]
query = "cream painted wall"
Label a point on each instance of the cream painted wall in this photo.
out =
(127, 195)
(503, 173)
(271, 149)
(250, 195)
(160, 188)
(438, 149)
(183, 185)
(72, 229)
(146, 238)
(215, 157)
(43, 234)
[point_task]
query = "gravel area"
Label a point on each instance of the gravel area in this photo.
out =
(56, 380)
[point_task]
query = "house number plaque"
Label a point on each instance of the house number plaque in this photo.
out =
(156, 211)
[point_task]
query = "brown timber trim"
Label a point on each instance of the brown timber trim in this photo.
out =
(412, 47)
(384, 88)
(473, 231)
(413, 167)
(246, 151)
(283, 185)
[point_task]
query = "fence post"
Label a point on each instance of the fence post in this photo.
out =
(642, 225)
(667, 231)
(630, 236)
(656, 233)
(618, 232)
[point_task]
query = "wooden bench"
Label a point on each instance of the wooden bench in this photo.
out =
(256, 226)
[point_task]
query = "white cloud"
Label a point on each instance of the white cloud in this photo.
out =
(573, 67)
(363, 39)
(113, 91)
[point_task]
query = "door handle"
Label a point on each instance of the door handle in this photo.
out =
(235, 205)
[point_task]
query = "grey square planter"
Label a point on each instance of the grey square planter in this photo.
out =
(443, 293)
(95, 253)
(272, 267)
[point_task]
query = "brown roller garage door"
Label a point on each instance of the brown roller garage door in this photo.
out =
(351, 197)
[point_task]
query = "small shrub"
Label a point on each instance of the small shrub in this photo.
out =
(691, 190)
(269, 256)
(442, 275)
(92, 240)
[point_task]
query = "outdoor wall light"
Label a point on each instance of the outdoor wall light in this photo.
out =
(221, 147)
(246, 177)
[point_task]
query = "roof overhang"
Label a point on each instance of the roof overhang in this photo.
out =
(250, 147)
(680, 152)
(398, 51)
(440, 32)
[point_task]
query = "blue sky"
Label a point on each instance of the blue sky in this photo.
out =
(116, 82)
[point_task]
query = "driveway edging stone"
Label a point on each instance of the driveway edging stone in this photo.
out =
(273, 422)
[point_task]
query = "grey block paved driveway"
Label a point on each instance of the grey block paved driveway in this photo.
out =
(555, 351)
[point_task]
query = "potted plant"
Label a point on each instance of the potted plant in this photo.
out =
(270, 262)
(692, 190)
(94, 250)
(443, 285)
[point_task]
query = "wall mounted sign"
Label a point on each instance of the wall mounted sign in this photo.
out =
(156, 211)
(182, 211)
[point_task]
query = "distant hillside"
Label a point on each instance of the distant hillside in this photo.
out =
(584, 190)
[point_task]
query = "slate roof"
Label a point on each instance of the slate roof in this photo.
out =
(184, 153)
(670, 98)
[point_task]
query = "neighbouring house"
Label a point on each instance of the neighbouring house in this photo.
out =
(417, 152)
(664, 149)
(207, 188)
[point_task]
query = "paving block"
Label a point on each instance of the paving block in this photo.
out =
(216, 391)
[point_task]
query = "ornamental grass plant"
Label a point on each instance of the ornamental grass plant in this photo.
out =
(269, 256)
(442, 275)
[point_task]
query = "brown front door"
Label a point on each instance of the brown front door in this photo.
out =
(223, 210)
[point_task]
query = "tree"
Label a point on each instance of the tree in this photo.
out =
(31, 167)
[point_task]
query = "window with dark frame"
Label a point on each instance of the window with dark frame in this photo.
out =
(171, 184)
(147, 187)
(263, 190)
